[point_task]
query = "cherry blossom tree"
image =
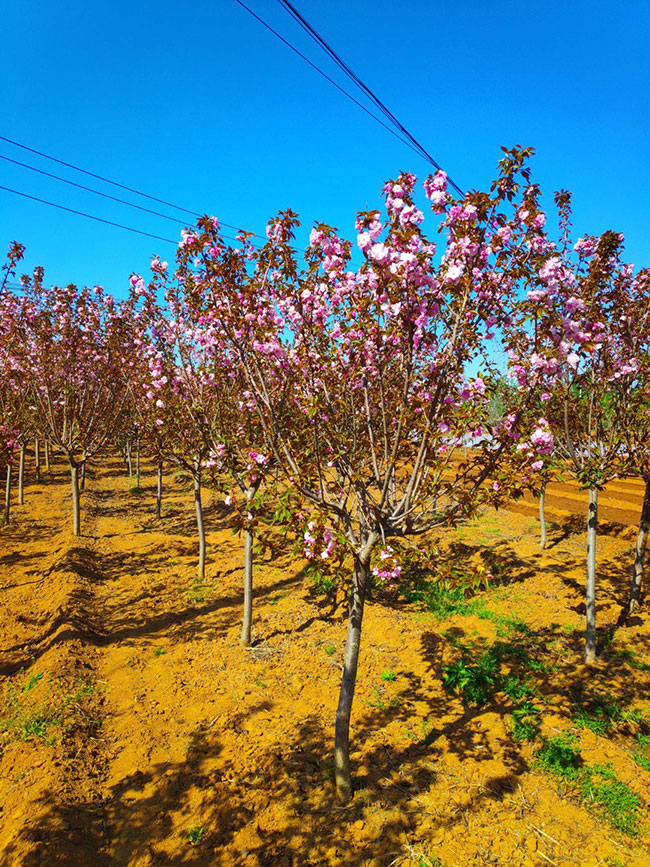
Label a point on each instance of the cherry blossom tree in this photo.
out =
(71, 348)
(566, 341)
(361, 378)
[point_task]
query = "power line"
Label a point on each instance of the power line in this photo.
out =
(402, 132)
(99, 219)
(106, 180)
(326, 76)
(89, 216)
(91, 190)
(332, 54)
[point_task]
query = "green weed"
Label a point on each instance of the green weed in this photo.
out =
(29, 715)
(475, 682)
(597, 785)
(388, 676)
(560, 756)
(597, 713)
(612, 797)
(195, 835)
(382, 702)
(525, 722)
(641, 752)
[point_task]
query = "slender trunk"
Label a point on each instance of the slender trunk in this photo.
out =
(159, 490)
(8, 495)
(76, 510)
(129, 463)
(200, 526)
(47, 455)
(592, 527)
(350, 663)
(247, 619)
(639, 554)
(82, 476)
(542, 516)
(137, 462)
(37, 458)
(21, 475)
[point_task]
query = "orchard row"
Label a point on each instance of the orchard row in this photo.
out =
(370, 395)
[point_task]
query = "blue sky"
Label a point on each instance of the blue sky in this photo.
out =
(198, 104)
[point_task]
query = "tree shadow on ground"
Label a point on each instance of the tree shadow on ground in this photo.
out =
(219, 807)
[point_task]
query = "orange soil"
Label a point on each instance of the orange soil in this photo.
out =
(192, 751)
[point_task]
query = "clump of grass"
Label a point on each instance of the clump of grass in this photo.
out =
(31, 715)
(596, 712)
(516, 688)
(526, 722)
(560, 756)
(321, 583)
(195, 835)
(198, 591)
(597, 785)
(613, 798)
(641, 751)
(388, 676)
(381, 701)
(475, 682)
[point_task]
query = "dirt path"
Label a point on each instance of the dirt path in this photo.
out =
(189, 750)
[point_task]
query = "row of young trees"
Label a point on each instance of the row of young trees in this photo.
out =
(355, 390)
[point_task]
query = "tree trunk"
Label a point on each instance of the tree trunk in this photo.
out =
(200, 526)
(37, 458)
(159, 490)
(129, 463)
(21, 475)
(82, 483)
(247, 619)
(8, 495)
(137, 463)
(542, 516)
(350, 663)
(639, 554)
(47, 455)
(76, 509)
(592, 527)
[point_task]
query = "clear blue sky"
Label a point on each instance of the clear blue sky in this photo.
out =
(198, 104)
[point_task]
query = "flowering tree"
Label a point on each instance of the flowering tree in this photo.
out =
(632, 407)
(14, 394)
(204, 385)
(361, 379)
(567, 342)
(71, 349)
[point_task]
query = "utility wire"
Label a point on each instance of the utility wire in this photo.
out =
(98, 219)
(397, 129)
(326, 76)
(91, 190)
(89, 216)
(106, 180)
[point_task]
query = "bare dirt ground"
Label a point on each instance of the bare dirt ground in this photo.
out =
(135, 731)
